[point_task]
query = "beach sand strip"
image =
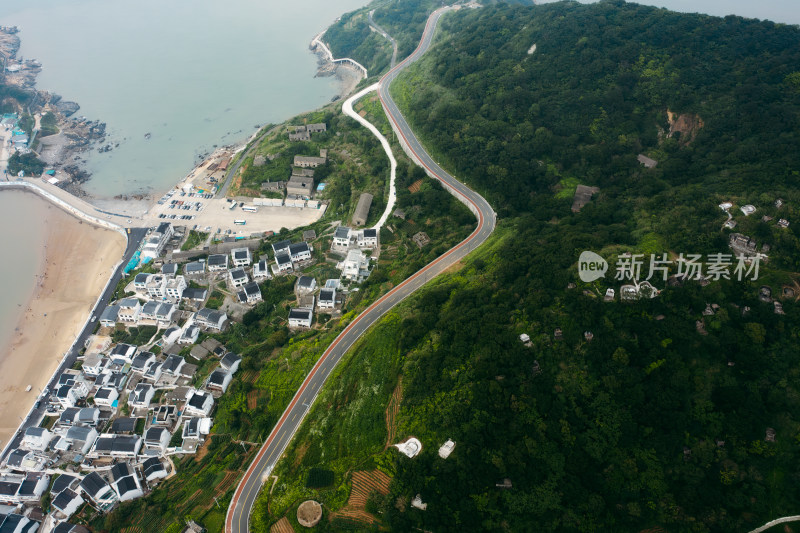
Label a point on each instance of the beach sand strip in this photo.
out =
(77, 263)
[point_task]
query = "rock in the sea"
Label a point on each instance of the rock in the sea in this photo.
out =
(67, 108)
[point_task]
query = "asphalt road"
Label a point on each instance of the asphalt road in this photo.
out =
(237, 520)
(34, 417)
(235, 168)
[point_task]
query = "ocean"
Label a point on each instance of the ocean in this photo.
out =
(191, 73)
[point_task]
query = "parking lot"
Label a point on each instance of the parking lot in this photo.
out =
(183, 206)
(202, 212)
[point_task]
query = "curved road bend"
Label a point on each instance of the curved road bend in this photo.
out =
(237, 520)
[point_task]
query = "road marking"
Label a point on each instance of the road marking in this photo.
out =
(363, 322)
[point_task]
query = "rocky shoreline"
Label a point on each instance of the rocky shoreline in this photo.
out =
(61, 151)
(348, 77)
(65, 150)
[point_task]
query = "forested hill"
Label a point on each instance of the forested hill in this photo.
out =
(404, 20)
(677, 413)
(595, 93)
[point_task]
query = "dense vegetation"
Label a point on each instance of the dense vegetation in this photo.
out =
(352, 37)
(27, 163)
(659, 418)
(49, 124)
(595, 93)
(404, 20)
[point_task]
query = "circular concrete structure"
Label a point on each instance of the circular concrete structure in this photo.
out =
(309, 513)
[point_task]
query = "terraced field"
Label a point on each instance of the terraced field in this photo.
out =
(364, 483)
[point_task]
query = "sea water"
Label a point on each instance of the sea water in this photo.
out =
(173, 79)
(191, 73)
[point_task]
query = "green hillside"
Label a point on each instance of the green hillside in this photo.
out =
(662, 417)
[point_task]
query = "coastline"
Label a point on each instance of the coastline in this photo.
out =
(67, 285)
(66, 289)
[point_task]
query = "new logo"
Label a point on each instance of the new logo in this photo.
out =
(591, 267)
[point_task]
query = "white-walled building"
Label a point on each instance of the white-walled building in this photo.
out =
(36, 439)
(305, 285)
(217, 262)
(219, 380)
(99, 491)
(129, 309)
(153, 469)
(299, 252)
(80, 439)
(261, 270)
(123, 353)
(230, 362)
(117, 446)
(237, 277)
(300, 317)
(174, 288)
(250, 293)
(141, 397)
(106, 396)
(126, 482)
(211, 318)
(241, 257)
(157, 240)
(327, 299)
(356, 266)
(156, 286)
(283, 262)
(157, 438)
(367, 238)
(198, 403)
(341, 237)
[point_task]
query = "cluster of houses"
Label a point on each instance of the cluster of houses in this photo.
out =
(328, 298)
(114, 422)
(290, 256)
(163, 294)
(749, 209)
(117, 420)
(325, 299)
(352, 243)
(19, 138)
(303, 133)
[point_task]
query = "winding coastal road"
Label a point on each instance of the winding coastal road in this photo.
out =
(237, 520)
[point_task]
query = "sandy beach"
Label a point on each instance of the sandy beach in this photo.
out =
(77, 262)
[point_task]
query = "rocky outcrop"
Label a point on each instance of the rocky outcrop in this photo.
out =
(684, 127)
(67, 108)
